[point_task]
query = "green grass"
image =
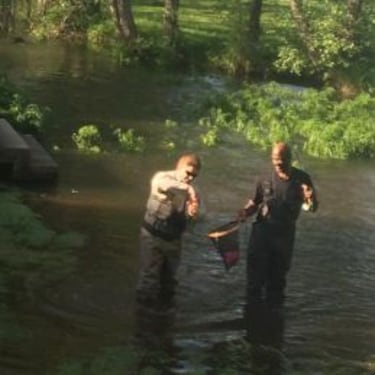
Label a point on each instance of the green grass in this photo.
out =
(200, 19)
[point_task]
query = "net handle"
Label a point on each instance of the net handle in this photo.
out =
(233, 226)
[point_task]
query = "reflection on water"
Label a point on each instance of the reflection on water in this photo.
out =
(327, 325)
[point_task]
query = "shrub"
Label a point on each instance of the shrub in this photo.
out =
(128, 141)
(88, 139)
(316, 121)
(26, 117)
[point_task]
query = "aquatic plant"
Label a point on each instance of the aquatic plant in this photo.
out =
(88, 139)
(210, 138)
(129, 141)
(26, 117)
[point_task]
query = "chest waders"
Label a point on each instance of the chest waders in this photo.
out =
(270, 246)
(160, 249)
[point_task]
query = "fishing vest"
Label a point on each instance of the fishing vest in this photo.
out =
(164, 218)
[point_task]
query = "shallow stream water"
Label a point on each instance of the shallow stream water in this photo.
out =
(327, 326)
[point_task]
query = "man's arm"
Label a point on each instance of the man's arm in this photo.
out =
(166, 186)
(248, 210)
(164, 183)
(251, 206)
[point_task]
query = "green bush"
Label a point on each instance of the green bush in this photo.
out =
(100, 34)
(26, 117)
(88, 139)
(128, 141)
(315, 121)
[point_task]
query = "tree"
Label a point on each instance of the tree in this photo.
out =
(354, 9)
(7, 16)
(122, 12)
(42, 6)
(331, 40)
(254, 30)
(254, 21)
(354, 12)
(304, 30)
(170, 19)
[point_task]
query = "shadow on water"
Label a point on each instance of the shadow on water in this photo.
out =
(154, 338)
(265, 333)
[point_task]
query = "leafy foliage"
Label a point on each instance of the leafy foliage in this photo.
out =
(216, 35)
(340, 49)
(316, 121)
(26, 117)
(99, 33)
(128, 141)
(88, 139)
(236, 58)
(65, 18)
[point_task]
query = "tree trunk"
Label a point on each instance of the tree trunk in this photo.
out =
(29, 11)
(254, 21)
(304, 30)
(42, 6)
(354, 10)
(170, 20)
(123, 15)
(7, 21)
(345, 85)
(254, 35)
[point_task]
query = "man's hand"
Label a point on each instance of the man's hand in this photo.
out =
(192, 208)
(249, 209)
(192, 194)
(307, 192)
(241, 215)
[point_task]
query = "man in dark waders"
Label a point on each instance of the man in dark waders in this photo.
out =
(277, 203)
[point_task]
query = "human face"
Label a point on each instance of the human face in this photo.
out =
(281, 163)
(188, 173)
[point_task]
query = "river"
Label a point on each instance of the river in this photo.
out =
(86, 323)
